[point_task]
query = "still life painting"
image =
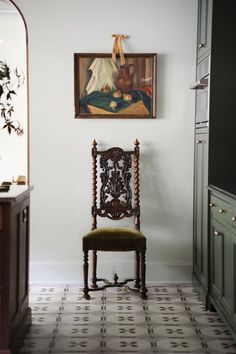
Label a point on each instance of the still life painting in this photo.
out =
(106, 89)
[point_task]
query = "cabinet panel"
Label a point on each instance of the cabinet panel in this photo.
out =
(201, 207)
(222, 274)
(202, 93)
(203, 68)
(14, 260)
(223, 256)
(204, 28)
(232, 216)
(202, 106)
(24, 254)
(234, 277)
(220, 209)
(227, 296)
(217, 259)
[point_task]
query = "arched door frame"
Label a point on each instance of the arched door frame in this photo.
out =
(27, 81)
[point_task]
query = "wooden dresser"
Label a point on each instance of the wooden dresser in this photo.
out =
(15, 314)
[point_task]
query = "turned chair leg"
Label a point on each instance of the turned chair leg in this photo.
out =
(86, 288)
(94, 278)
(143, 289)
(137, 270)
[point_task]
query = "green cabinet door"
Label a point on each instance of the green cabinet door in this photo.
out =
(217, 259)
(204, 28)
(233, 272)
(222, 255)
(228, 293)
(200, 226)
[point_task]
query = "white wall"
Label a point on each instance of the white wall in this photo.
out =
(60, 144)
(13, 148)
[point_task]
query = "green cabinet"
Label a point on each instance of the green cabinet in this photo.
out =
(233, 250)
(217, 257)
(200, 230)
(214, 229)
(222, 293)
(204, 28)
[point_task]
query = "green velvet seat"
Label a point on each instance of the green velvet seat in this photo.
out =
(114, 239)
(115, 198)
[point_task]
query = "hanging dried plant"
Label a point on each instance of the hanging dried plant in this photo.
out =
(10, 82)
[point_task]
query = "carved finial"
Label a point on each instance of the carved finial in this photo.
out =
(94, 143)
(136, 143)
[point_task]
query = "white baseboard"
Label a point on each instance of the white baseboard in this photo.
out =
(72, 271)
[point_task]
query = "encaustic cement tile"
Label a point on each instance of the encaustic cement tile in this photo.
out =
(35, 345)
(171, 320)
(79, 331)
(77, 345)
(41, 331)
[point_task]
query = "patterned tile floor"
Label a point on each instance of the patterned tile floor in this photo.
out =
(171, 320)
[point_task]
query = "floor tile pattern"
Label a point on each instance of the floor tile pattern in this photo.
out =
(171, 320)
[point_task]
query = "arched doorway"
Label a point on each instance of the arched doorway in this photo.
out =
(14, 100)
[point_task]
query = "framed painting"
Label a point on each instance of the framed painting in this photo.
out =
(106, 89)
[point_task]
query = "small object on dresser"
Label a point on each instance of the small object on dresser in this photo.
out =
(4, 188)
(21, 180)
(6, 183)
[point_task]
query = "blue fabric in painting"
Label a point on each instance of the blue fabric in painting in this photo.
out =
(103, 99)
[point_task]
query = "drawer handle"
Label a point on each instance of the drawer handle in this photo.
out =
(200, 84)
(201, 45)
(211, 205)
(233, 218)
(221, 211)
(199, 141)
(216, 233)
(24, 215)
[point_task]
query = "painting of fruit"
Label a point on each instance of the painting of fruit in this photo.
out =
(106, 89)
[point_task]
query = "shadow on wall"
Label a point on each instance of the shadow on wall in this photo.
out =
(153, 202)
(161, 214)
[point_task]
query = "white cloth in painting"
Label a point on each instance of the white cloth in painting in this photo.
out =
(104, 73)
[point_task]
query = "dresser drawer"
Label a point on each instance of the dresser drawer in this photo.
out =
(233, 216)
(220, 209)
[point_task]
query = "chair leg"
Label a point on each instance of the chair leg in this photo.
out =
(143, 289)
(137, 271)
(86, 288)
(94, 278)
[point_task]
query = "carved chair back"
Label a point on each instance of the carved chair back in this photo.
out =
(114, 197)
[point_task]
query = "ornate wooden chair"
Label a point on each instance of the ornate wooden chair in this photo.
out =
(116, 201)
